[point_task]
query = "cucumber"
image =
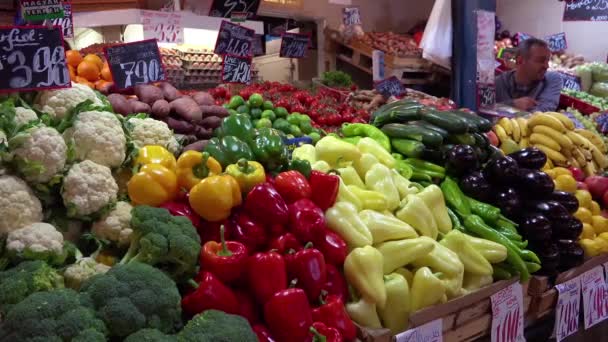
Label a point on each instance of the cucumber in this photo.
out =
(462, 139)
(432, 127)
(446, 120)
(400, 114)
(425, 135)
(481, 140)
(392, 105)
(407, 147)
(483, 124)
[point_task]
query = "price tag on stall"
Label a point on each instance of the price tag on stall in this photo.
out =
(66, 22)
(32, 58)
(35, 10)
(430, 332)
(351, 16)
(390, 87)
(259, 45)
(567, 310)
(294, 45)
(557, 42)
(596, 10)
(225, 8)
(595, 296)
(521, 36)
(236, 69)
(294, 143)
(234, 40)
(508, 314)
(165, 27)
(486, 95)
(135, 63)
(570, 81)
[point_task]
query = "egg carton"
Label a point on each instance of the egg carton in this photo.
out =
(169, 52)
(203, 72)
(203, 66)
(201, 58)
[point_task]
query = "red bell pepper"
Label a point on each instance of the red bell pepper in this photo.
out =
(329, 334)
(288, 316)
(276, 230)
(324, 189)
(309, 269)
(292, 185)
(265, 205)
(333, 314)
(211, 293)
(263, 333)
(306, 220)
(210, 231)
(333, 247)
(284, 243)
(336, 283)
(247, 306)
(182, 209)
(269, 179)
(248, 232)
(226, 260)
(267, 275)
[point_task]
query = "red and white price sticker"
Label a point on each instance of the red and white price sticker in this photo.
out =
(165, 27)
(430, 332)
(508, 314)
(567, 310)
(595, 296)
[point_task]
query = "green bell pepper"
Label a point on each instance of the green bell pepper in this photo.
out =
(239, 126)
(270, 150)
(228, 150)
(302, 166)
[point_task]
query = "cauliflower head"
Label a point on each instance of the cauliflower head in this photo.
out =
(19, 206)
(57, 103)
(98, 136)
(152, 132)
(40, 153)
(23, 116)
(88, 188)
(82, 270)
(115, 226)
(36, 241)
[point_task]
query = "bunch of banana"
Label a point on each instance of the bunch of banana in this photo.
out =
(554, 134)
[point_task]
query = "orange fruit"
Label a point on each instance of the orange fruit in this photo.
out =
(92, 58)
(84, 81)
(72, 72)
(105, 73)
(88, 70)
(99, 85)
(73, 57)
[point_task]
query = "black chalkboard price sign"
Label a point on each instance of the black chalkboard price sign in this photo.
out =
(570, 81)
(32, 58)
(234, 40)
(486, 95)
(135, 63)
(586, 10)
(390, 87)
(259, 45)
(294, 45)
(557, 42)
(224, 8)
(236, 69)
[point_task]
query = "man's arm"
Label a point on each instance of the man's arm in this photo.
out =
(548, 99)
(502, 91)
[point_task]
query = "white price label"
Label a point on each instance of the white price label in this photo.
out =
(165, 27)
(508, 314)
(567, 310)
(430, 332)
(595, 296)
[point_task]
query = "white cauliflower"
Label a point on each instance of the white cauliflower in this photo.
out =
(115, 226)
(98, 136)
(36, 241)
(23, 116)
(87, 188)
(82, 270)
(57, 103)
(40, 153)
(18, 204)
(152, 132)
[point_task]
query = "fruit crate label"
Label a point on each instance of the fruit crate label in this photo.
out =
(32, 58)
(34, 10)
(234, 40)
(351, 16)
(165, 27)
(66, 21)
(391, 86)
(595, 296)
(236, 69)
(294, 143)
(567, 310)
(557, 42)
(135, 63)
(508, 314)
(225, 8)
(588, 10)
(294, 45)
(430, 332)
(570, 81)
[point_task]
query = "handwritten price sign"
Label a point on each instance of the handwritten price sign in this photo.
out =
(568, 308)
(595, 296)
(430, 332)
(508, 314)
(557, 42)
(351, 16)
(135, 63)
(234, 40)
(486, 95)
(165, 27)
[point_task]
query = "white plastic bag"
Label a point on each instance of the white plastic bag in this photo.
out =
(436, 42)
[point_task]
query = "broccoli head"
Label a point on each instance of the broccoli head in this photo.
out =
(168, 242)
(150, 335)
(217, 326)
(56, 315)
(132, 297)
(24, 279)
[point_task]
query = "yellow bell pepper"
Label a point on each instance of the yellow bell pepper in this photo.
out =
(434, 200)
(600, 224)
(396, 254)
(380, 179)
(344, 220)
(363, 270)
(364, 313)
(594, 247)
(369, 199)
(418, 215)
(472, 259)
(345, 195)
(334, 151)
(154, 154)
(247, 173)
(396, 312)
(407, 274)
(441, 259)
(214, 197)
(193, 166)
(153, 185)
(386, 227)
(369, 145)
(350, 176)
(426, 289)
(363, 164)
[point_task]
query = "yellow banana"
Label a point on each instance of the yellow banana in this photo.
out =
(516, 130)
(575, 163)
(500, 133)
(523, 126)
(560, 138)
(547, 120)
(548, 165)
(593, 138)
(506, 124)
(564, 119)
(586, 153)
(579, 157)
(524, 142)
(509, 146)
(598, 157)
(590, 169)
(578, 139)
(567, 153)
(552, 154)
(538, 138)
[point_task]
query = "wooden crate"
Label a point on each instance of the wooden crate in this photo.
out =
(411, 76)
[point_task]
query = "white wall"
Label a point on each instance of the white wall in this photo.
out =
(544, 17)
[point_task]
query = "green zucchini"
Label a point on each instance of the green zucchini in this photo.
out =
(407, 147)
(481, 140)
(432, 127)
(483, 124)
(425, 135)
(446, 120)
(400, 114)
(462, 139)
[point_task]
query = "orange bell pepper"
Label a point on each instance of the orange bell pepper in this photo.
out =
(153, 185)
(214, 197)
(193, 166)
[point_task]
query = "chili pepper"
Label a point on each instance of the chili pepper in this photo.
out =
(306, 220)
(153, 185)
(263, 333)
(321, 166)
(455, 221)
(487, 212)
(407, 274)
(399, 253)
(267, 275)
(396, 312)
(455, 198)
(336, 284)
(352, 140)
(265, 205)
(324, 189)
(332, 313)
(284, 243)
(211, 293)
(403, 185)
(302, 166)
(154, 154)
(333, 247)
(214, 197)
(363, 270)
(404, 169)
(310, 270)
(292, 185)
(226, 260)
(506, 224)
(247, 173)
(247, 306)
(182, 209)
(500, 273)
(228, 150)
(193, 166)
(344, 220)
(425, 166)
(473, 282)
(366, 130)
(325, 333)
(288, 315)
(248, 232)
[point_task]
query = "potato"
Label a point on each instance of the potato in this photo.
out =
(120, 104)
(187, 109)
(148, 93)
(139, 107)
(197, 146)
(211, 122)
(180, 126)
(203, 98)
(161, 109)
(169, 91)
(203, 133)
(218, 111)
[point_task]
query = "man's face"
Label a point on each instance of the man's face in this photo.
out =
(536, 63)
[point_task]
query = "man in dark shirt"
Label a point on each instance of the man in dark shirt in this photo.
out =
(530, 87)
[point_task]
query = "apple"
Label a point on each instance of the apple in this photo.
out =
(605, 200)
(597, 186)
(582, 186)
(493, 138)
(604, 213)
(577, 173)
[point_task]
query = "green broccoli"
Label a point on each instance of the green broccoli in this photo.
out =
(133, 297)
(168, 242)
(56, 315)
(217, 326)
(150, 335)
(24, 279)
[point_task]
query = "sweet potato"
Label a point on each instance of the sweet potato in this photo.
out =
(187, 108)
(203, 133)
(197, 146)
(120, 104)
(169, 91)
(203, 98)
(139, 107)
(186, 139)
(180, 126)
(161, 109)
(148, 93)
(211, 122)
(214, 110)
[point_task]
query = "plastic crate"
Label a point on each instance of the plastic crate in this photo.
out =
(566, 101)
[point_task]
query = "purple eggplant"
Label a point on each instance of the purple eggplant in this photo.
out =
(570, 254)
(461, 159)
(550, 209)
(536, 227)
(569, 228)
(477, 186)
(502, 170)
(566, 199)
(530, 158)
(508, 201)
(536, 184)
